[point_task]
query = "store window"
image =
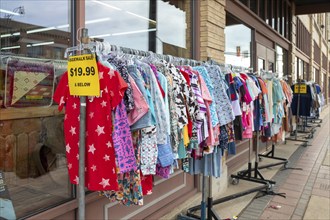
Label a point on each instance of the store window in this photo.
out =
(32, 155)
(270, 66)
(279, 61)
(261, 64)
(306, 70)
(301, 69)
(317, 76)
(238, 42)
(142, 25)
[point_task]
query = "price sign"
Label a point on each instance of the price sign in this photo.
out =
(83, 75)
(300, 89)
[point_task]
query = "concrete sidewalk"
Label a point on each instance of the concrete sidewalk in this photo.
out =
(307, 190)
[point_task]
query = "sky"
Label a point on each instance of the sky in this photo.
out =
(237, 36)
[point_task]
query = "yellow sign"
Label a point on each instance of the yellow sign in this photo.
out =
(83, 75)
(300, 88)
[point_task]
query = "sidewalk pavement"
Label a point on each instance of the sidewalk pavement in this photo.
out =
(307, 190)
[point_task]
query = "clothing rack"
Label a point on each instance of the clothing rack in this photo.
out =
(105, 48)
(251, 174)
(271, 153)
(305, 142)
(254, 174)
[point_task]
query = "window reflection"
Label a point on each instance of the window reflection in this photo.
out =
(261, 64)
(141, 24)
(279, 61)
(238, 43)
(32, 154)
(29, 31)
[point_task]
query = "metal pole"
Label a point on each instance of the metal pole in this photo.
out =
(209, 200)
(82, 127)
(203, 203)
(298, 108)
(257, 156)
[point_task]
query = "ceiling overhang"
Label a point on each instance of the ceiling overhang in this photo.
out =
(312, 6)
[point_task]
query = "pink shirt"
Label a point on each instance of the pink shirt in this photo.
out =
(141, 106)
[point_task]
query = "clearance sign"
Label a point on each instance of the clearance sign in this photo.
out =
(300, 88)
(83, 75)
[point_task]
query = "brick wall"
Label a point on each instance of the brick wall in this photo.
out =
(212, 24)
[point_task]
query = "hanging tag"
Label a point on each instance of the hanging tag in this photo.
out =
(83, 75)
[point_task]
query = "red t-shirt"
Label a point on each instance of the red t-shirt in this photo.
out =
(100, 165)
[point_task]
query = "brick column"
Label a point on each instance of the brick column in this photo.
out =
(212, 24)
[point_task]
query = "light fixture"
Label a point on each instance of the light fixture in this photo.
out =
(29, 45)
(42, 44)
(9, 35)
(107, 5)
(9, 12)
(54, 27)
(124, 33)
(40, 30)
(119, 9)
(97, 20)
(9, 48)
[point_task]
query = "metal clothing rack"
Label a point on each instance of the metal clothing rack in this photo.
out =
(305, 142)
(271, 155)
(84, 47)
(105, 47)
(251, 174)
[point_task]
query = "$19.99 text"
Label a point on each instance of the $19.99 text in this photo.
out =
(88, 71)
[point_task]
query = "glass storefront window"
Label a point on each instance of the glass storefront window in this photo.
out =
(261, 64)
(301, 69)
(280, 61)
(141, 24)
(238, 43)
(32, 152)
(270, 66)
(295, 76)
(27, 30)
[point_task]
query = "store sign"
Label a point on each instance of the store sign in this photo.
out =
(300, 88)
(83, 75)
(6, 205)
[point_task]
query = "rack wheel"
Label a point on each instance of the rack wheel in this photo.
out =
(285, 166)
(270, 186)
(234, 181)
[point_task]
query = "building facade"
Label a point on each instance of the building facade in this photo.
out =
(291, 38)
